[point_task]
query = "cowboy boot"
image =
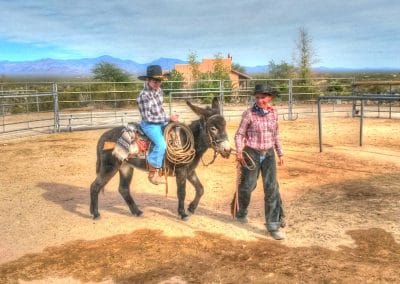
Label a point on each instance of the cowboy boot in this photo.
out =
(277, 235)
(154, 176)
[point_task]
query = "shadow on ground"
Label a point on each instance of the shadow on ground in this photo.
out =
(147, 256)
(71, 198)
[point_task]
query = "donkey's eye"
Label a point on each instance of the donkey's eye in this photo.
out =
(213, 129)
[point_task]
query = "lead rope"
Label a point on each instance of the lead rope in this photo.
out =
(249, 165)
(166, 182)
(235, 201)
(213, 144)
(212, 161)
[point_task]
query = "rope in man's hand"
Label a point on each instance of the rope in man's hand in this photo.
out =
(235, 200)
(244, 161)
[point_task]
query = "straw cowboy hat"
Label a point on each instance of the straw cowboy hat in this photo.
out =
(264, 89)
(153, 72)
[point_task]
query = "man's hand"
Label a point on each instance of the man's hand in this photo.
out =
(239, 157)
(280, 162)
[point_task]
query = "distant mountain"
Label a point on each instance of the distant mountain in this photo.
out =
(355, 70)
(83, 67)
(77, 67)
(256, 69)
(322, 69)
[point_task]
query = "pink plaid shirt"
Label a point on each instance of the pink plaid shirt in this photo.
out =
(259, 132)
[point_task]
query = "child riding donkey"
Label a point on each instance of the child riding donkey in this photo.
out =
(154, 118)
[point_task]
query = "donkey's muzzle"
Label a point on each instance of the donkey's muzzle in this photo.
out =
(225, 149)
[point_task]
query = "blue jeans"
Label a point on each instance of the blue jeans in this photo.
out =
(265, 164)
(155, 133)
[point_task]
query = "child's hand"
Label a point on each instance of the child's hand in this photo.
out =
(174, 117)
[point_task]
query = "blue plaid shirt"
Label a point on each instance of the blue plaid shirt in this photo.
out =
(150, 104)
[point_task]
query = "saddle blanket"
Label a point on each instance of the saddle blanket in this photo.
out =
(130, 143)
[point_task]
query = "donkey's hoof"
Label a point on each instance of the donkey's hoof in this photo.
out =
(138, 213)
(184, 217)
(96, 216)
(191, 209)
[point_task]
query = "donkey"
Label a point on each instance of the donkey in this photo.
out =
(209, 132)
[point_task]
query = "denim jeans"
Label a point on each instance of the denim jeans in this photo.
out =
(155, 133)
(265, 164)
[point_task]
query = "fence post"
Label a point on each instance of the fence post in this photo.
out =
(115, 103)
(221, 97)
(56, 108)
(3, 108)
(290, 101)
(170, 103)
(26, 103)
(37, 102)
(319, 125)
(361, 121)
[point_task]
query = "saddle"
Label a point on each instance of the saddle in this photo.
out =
(132, 143)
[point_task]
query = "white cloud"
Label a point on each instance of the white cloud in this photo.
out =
(254, 32)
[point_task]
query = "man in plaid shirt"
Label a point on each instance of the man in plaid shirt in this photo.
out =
(258, 136)
(150, 102)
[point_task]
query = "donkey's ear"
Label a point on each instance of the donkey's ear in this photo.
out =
(197, 110)
(215, 105)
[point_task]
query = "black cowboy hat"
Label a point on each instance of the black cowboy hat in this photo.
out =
(153, 72)
(264, 89)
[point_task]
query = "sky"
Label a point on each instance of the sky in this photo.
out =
(348, 34)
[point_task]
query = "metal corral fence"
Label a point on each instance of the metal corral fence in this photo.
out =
(362, 99)
(45, 107)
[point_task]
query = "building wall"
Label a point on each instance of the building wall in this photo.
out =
(207, 65)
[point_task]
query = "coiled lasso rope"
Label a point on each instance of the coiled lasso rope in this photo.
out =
(180, 143)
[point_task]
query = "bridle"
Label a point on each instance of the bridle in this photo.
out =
(211, 141)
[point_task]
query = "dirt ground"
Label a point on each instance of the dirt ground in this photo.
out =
(342, 205)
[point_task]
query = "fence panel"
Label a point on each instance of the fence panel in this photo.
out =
(43, 107)
(26, 108)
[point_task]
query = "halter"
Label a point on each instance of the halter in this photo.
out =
(212, 141)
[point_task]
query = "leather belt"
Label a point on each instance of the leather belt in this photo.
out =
(263, 152)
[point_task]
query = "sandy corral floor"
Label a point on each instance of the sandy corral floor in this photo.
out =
(343, 214)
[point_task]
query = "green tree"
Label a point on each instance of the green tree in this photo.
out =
(175, 81)
(108, 72)
(211, 80)
(194, 64)
(238, 67)
(220, 71)
(304, 57)
(305, 54)
(175, 76)
(283, 70)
